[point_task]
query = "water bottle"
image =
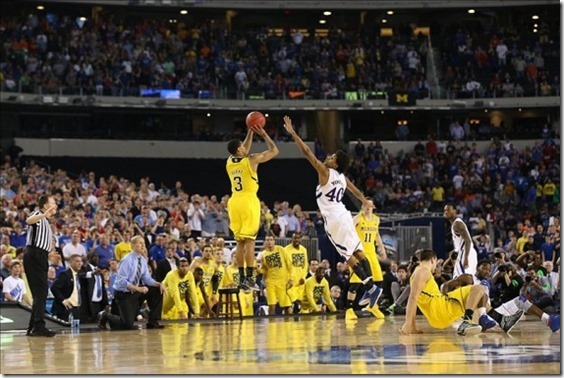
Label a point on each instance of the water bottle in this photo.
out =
(74, 323)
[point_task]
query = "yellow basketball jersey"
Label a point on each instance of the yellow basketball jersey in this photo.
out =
(244, 179)
(209, 270)
(366, 230)
(440, 310)
(231, 277)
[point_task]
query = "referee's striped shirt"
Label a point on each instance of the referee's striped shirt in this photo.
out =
(41, 234)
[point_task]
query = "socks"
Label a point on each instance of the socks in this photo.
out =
(350, 303)
(482, 311)
(250, 272)
(468, 315)
(545, 318)
(241, 274)
(366, 266)
(361, 273)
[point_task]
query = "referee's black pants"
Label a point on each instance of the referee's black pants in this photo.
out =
(36, 265)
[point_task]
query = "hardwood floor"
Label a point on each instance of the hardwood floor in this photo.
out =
(286, 345)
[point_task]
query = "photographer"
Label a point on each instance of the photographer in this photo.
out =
(533, 258)
(499, 259)
(537, 288)
(506, 285)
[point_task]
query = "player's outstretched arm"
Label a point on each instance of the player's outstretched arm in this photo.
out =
(248, 139)
(321, 169)
(420, 276)
(270, 153)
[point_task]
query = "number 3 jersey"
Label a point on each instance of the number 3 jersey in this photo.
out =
(244, 180)
(337, 219)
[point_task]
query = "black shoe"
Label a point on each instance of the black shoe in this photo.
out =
(42, 333)
(250, 284)
(102, 319)
(155, 325)
(28, 331)
(297, 307)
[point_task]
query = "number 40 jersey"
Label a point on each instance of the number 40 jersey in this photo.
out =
(337, 219)
(330, 196)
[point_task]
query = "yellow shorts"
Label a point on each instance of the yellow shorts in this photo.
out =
(277, 294)
(296, 292)
(374, 268)
(244, 216)
(448, 309)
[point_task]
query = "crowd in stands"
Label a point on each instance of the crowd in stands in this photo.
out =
(500, 61)
(503, 185)
(113, 57)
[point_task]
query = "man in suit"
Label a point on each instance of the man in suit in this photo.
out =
(94, 294)
(164, 266)
(66, 290)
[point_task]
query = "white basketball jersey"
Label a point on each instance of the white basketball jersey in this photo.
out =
(338, 221)
(460, 246)
(330, 196)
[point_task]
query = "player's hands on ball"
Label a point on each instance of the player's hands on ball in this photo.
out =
(258, 130)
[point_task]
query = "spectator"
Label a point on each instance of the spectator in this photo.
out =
(13, 288)
(74, 247)
(67, 290)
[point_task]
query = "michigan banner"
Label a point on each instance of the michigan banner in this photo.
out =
(400, 98)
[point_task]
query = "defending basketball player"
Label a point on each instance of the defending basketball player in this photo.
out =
(467, 258)
(439, 309)
(243, 206)
(337, 219)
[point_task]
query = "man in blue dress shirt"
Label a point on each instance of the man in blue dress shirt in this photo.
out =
(132, 286)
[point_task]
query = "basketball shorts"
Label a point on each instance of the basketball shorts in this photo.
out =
(449, 308)
(342, 233)
(244, 216)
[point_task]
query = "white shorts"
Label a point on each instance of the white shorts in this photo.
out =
(472, 262)
(342, 233)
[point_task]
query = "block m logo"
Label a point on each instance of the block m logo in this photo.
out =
(402, 98)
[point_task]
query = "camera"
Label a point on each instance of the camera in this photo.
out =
(528, 279)
(502, 269)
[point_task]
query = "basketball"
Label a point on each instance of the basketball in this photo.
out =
(255, 119)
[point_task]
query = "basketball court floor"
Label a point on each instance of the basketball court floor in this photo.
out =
(285, 345)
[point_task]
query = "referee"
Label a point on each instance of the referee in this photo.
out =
(36, 262)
